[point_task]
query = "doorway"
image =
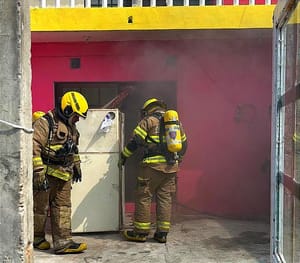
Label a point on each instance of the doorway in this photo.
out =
(286, 138)
(128, 97)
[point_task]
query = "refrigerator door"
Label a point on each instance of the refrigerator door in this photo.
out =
(97, 201)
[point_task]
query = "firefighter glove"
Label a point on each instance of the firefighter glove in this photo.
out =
(40, 181)
(122, 160)
(77, 173)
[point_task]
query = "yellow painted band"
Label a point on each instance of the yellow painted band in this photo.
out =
(151, 18)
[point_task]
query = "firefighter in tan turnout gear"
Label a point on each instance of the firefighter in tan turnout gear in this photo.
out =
(157, 175)
(56, 165)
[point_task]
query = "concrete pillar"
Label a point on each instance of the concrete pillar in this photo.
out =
(16, 215)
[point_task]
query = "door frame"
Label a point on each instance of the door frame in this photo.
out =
(279, 180)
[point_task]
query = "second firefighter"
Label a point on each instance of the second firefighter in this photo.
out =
(157, 174)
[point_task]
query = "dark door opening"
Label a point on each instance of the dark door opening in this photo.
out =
(98, 94)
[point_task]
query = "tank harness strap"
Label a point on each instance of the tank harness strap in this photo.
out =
(51, 125)
(160, 146)
(69, 148)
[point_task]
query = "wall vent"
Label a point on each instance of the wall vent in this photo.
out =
(75, 63)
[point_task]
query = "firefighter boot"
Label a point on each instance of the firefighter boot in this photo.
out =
(71, 248)
(160, 237)
(131, 235)
(41, 243)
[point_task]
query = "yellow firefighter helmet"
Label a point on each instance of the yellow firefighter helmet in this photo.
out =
(36, 115)
(74, 102)
(153, 102)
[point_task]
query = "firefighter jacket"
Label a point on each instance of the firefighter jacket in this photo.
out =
(55, 147)
(147, 135)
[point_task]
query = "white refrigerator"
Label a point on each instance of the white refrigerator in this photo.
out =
(98, 200)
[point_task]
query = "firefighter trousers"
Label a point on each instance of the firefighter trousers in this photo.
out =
(153, 183)
(58, 199)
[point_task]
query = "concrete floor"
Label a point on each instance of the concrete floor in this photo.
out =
(194, 239)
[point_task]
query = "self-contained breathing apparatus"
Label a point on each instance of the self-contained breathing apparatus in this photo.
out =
(61, 156)
(68, 148)
(169, 136)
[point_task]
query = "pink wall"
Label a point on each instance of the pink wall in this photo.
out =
(224, 98)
